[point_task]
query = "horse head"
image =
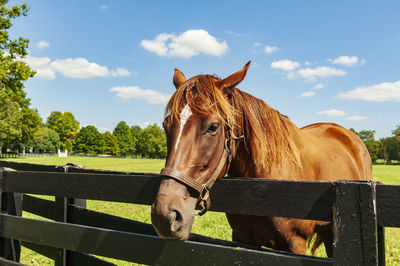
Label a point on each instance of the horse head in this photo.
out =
(198, 124)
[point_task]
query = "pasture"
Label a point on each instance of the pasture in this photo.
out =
(212, 224)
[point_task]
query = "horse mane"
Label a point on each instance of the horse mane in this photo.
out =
(264, 128)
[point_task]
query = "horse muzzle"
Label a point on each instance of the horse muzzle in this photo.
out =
(172, 212)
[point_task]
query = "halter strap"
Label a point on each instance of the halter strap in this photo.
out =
(204, 189)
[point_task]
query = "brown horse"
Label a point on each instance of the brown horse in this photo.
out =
(213, 128)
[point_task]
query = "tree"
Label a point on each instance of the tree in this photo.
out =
(372, 145)
(10, 120)
(393, 148)
(46, 140)
(110, 144)
(136, 130)
(383, 151)
(13, 70)
(125, 139)
(152, 142)
(396, 132)
(31, 123)
(67, 127)
(51, 120)
(89, 141)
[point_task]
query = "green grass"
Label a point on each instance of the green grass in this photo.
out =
(387, 174)
(117, 164)
(212, 224)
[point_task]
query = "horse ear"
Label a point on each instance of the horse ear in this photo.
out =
(179, 78)
(234, 79)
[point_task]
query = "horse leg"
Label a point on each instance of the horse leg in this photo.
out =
(295, 233)
(273, 232)
(298, 245)
(236, 238)
(251, 230)
(325, 234)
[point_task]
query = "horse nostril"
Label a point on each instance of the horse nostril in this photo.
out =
(178, 216)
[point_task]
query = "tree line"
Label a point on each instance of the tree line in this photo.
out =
(61, 130)
(26, 131)
(386, 149)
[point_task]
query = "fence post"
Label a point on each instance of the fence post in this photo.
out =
(62, 215)
(355, 223)
(381, 246)
(10, 203)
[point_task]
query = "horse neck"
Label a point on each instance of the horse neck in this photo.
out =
(242, 161)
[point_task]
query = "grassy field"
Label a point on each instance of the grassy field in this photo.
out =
(212, 224)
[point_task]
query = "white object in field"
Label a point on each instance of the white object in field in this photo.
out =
(62, 154)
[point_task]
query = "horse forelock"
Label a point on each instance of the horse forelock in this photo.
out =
(265, 131)
(203, 98)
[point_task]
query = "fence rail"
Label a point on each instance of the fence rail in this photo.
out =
(359, 211)
(29, 154)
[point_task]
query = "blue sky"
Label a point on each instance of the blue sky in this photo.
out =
(314, 61)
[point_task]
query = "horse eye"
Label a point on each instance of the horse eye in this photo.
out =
(213, 128)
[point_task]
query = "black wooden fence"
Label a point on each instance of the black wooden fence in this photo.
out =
(359, 211)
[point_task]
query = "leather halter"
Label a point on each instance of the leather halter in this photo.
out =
(204, 189)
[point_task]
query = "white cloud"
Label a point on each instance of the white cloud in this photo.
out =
(41, 66)
(320, 72)
(126, 93)
(158, 45)
(286, 65)
(270, 49)
(318, 86)
(120, 72)
(307, 94)
(355, 118)
(257, 44)
(103, 7)
(347, 60)
(307, 63)
(185, 45)
(79, 68)
(382, 92)
(42, 45)
(332, 112)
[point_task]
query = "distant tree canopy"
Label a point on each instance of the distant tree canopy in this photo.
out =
(67, 127)
(370, 142)
(46, 141)
(387, 149)
(51, 120)
(110, 143)
(61, 131)
(89, 141)
(152, 142)
(125, 139)
(31, 123)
